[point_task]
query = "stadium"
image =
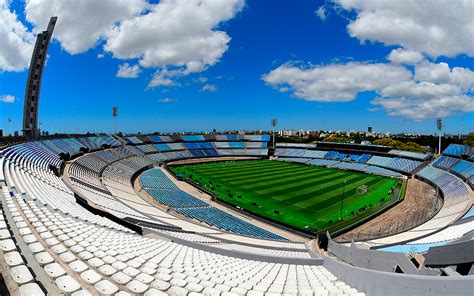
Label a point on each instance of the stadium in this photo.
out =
(228, 213)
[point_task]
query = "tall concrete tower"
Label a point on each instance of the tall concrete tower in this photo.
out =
(33, 84)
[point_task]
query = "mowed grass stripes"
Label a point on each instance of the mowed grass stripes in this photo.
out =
(305, 197)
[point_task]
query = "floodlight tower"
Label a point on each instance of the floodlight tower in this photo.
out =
(274, 124)
(114, 115)
(439, 124)
(33, 83)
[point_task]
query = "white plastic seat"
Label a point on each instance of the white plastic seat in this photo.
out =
(13, 259)
(24, 231)
(121, 278)
(163, 277)
(31, 289)
(7, 245)
(76, 249)
(95, 262)
(210, 291)
(91, 277)
(105, 287)
(36, 248)
(67, 284)
(160, 285)
(78, 266)
(29, 238)
(154, 292)
(21, 274)
(58, 249)
(82, 293)
(67, 257)
(4, 234)
(44, 258)
(193, 287)
(177, 291)
(145, 278)
(51, 241)
(54, 270)
(107, 270)
(119, 265)
(137, 286)
(85, 255)
(131, 271)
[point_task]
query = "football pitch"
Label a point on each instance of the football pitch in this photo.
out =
(304, 197)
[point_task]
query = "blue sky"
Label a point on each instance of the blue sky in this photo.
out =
(79, 89)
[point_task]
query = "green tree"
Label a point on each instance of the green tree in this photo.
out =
(395, 144)
(337, 139)
(469, 140)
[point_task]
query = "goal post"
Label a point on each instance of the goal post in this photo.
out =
(362, 189)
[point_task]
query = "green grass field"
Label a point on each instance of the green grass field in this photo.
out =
(307, 197)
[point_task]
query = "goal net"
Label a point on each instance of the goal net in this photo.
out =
(362, 189)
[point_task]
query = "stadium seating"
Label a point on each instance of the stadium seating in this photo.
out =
(160, 187)
(322, 162)
(456, 150)
(82, 256)
(50, 243)
(314, 154)
(193, 138)
(293, 159)
(456, 199)
(443, 237)
(414, 155)
(159, 139)
(463, 168)
(380, 161)
(225, 221)
(350, 166)
(381, 171)
(445, 162)
(398, 164)
(132, 140)
(331, 155)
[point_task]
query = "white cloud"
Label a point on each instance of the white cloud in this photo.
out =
(436, 27)
(321, 13)
(7, 99)
(404, 56)
(166, 100)
(434, 89)
(100, 55)
(128, 71)
(175, 34)
(170, 35)
(163, 77)
(209, 88)
(420, 109)
(441, 73)
(201, 79)
(335, 82)
(16, 42)
(81, 24)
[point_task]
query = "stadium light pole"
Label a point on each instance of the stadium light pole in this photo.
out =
(274, 123)
(114, 115)
(342, 199)
(439, 124)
